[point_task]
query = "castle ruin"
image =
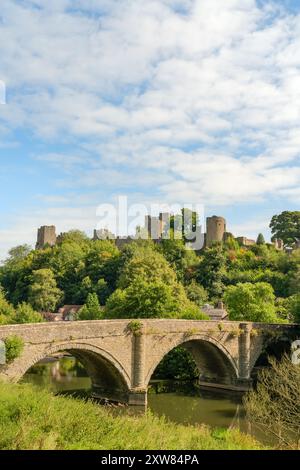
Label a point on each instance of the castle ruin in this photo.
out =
(46, 235)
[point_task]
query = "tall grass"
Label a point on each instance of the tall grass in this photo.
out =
(31, 418)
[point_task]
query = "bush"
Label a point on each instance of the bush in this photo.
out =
(14, 346)
(275, 405)
(26, 314)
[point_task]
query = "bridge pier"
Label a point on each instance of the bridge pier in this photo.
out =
(244, 379)
(138, 398)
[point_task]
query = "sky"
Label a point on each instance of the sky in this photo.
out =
(162, 101)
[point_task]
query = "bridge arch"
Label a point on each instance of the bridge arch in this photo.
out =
(212, 358)
(109, 378)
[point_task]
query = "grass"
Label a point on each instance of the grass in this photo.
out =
(32, 418)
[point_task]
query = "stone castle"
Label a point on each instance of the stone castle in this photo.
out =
(155, 228)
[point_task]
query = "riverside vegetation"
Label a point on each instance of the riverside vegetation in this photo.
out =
(35, 419)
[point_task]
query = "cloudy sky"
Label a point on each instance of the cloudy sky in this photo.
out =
(187, 101)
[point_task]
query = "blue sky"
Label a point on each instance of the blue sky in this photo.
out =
(165, 101)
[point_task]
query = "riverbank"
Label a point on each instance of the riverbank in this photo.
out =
(31, 418)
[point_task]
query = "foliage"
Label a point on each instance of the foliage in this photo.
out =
(286, 226)
(177, 364)
(196, 293)
(135, 327)
(6, 310)
(292, 305)
(26, 314)
(275, 405)
(211, 271)
(148, 265)
(91, 310)
(251, 302)
(44, 295)
(179, 258)
(260, 239)
(35, 419)
(14, 346)
(153, 299)
(77, 266)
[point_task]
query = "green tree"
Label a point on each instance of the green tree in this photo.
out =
(148, 265)
(153, 299)
(177, 364)
(196, 293)
(292, 305)
(179, 257)
(211, 271)
(260, 239)
(251, 302)
(91, 310)
(6, 309)
(231, 244)
(286, 226)
(44, 295)
(17, 254)
(26, 314)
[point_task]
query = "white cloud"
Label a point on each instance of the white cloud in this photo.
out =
(195, 99)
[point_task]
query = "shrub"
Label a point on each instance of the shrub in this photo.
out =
(275, 405)
(14, 346)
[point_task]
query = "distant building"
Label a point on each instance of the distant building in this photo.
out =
(69, 312)
(218, 313)
(103, 234)
(46, 235)
(244, 241)
(278, 243)
(50, 316)
(156, 228)
(215, 230)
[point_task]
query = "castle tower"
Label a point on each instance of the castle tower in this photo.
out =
(215, 229)
(46, 235)
(164, 223)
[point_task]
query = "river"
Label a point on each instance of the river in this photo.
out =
(184, 403)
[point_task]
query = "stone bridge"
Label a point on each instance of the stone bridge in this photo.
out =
(121, 356)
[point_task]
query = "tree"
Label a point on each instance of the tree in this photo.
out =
(179, 257)
(251, 302)
(196, 293)
(275, 405)
(154, 299)
(260, 239)
(211, 271)
(148, 265)
(91, 310)
(26, 314)
(286, 226)
(6, 309)
(292, 305)
(44, 295)
(17, 254)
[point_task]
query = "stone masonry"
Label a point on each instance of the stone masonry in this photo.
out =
(120, 361)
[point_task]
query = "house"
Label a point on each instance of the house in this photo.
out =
(50, 316)
(218, 313)
(69, 312)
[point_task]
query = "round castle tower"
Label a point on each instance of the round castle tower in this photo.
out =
(215, 229)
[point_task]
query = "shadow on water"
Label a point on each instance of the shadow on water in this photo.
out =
(179, 402)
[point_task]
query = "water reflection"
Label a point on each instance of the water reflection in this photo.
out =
(180, 402)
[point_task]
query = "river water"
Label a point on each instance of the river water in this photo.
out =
(183, 403)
